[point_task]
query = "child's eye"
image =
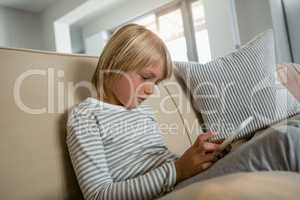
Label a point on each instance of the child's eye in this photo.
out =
(145, 77)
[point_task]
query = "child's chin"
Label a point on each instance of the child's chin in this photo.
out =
(132, 106)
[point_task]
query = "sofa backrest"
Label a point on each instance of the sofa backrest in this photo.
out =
(37, 89)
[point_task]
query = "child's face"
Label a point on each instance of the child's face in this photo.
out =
(134, 87)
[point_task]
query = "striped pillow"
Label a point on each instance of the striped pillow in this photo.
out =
(228, 90)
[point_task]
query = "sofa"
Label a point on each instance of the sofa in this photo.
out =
(37, 90)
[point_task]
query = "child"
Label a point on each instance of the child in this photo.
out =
(114, 143)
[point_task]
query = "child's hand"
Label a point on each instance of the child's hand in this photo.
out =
(221, 154)
(197, 158)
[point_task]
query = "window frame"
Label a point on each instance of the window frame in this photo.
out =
(188, 24)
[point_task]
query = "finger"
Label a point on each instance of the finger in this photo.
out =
(206, 165)
(218, 156)
(206, 146)
(207, 157)
(205, 136)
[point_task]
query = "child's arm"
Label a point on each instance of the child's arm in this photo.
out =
(93, 175)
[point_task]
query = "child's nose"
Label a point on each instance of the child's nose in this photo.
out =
(149, 88)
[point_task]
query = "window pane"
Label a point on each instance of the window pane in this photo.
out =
(148, 21)
(172, 32)
(170, 29)
(201, 33)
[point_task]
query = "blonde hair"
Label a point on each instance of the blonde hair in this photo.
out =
(131, 48)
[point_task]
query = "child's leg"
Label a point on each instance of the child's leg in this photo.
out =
(274, 149)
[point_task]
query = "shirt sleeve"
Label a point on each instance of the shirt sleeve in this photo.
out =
(87, 154)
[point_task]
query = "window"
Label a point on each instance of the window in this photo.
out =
(170, 27)
(148, 21)
(201, 33)
(173, 25)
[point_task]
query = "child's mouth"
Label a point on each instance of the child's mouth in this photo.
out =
(141, 99)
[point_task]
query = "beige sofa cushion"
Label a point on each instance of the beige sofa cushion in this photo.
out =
(170, 121)
(36, 92)
(242, 186)
(33, 152)
(182, 99)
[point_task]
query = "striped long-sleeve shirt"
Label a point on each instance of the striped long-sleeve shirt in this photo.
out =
(118, 153)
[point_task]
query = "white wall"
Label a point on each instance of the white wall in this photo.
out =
(62, 37)
(94, 44)
(293, 18)
(219, 24)
(53, 13)
(280, 33)
(20, 29)
(254, 17)
(77, 40)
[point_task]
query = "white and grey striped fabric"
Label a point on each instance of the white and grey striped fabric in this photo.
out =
(228, 90)
(119, 153)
